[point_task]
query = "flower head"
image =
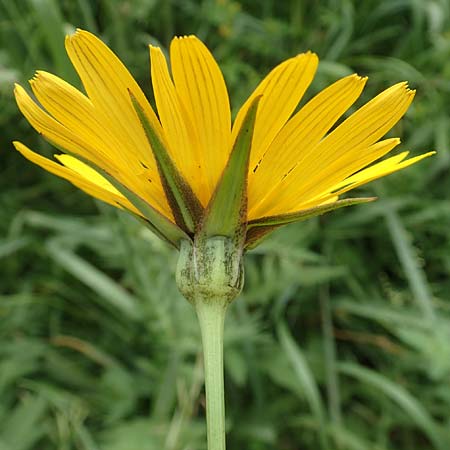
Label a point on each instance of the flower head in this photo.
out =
(189, 170)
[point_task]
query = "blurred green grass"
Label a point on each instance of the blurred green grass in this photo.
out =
(341, 339)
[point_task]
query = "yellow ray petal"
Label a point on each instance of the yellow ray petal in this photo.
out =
(87, 173)
(91, 185)
(333, 158)
(360, 130)
(364, 127)
(108, 84)
(201, 88)
(289, 200)
(181, 135)
(365, 176)
(300, 136)
(76, 112)
(62, 100)
(346, 166)
(52, 129)
(379, 170)
(281, 92)
(126, 170)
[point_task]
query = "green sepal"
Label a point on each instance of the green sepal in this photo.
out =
(259, 229)
(157, 222)
(153, 219)
(226, 213)
(186, 208)
(154, 230)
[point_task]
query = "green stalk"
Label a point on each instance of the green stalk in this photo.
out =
(210, 276)
(211, 316)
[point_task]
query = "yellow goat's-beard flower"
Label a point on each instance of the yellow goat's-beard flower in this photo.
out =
(170, 169)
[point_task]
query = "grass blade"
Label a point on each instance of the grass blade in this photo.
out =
(104, 286)
(306, 379)
(399, 395)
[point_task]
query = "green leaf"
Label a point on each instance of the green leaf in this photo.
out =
(185, 206)
(227, 209)
(259, 229)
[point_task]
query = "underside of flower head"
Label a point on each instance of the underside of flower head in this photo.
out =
(188, 170)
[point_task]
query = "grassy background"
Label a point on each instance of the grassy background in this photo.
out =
(341, 340)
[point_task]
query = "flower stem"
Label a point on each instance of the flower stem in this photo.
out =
(211, 315)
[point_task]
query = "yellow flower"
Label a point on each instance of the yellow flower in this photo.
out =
(299, 163)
